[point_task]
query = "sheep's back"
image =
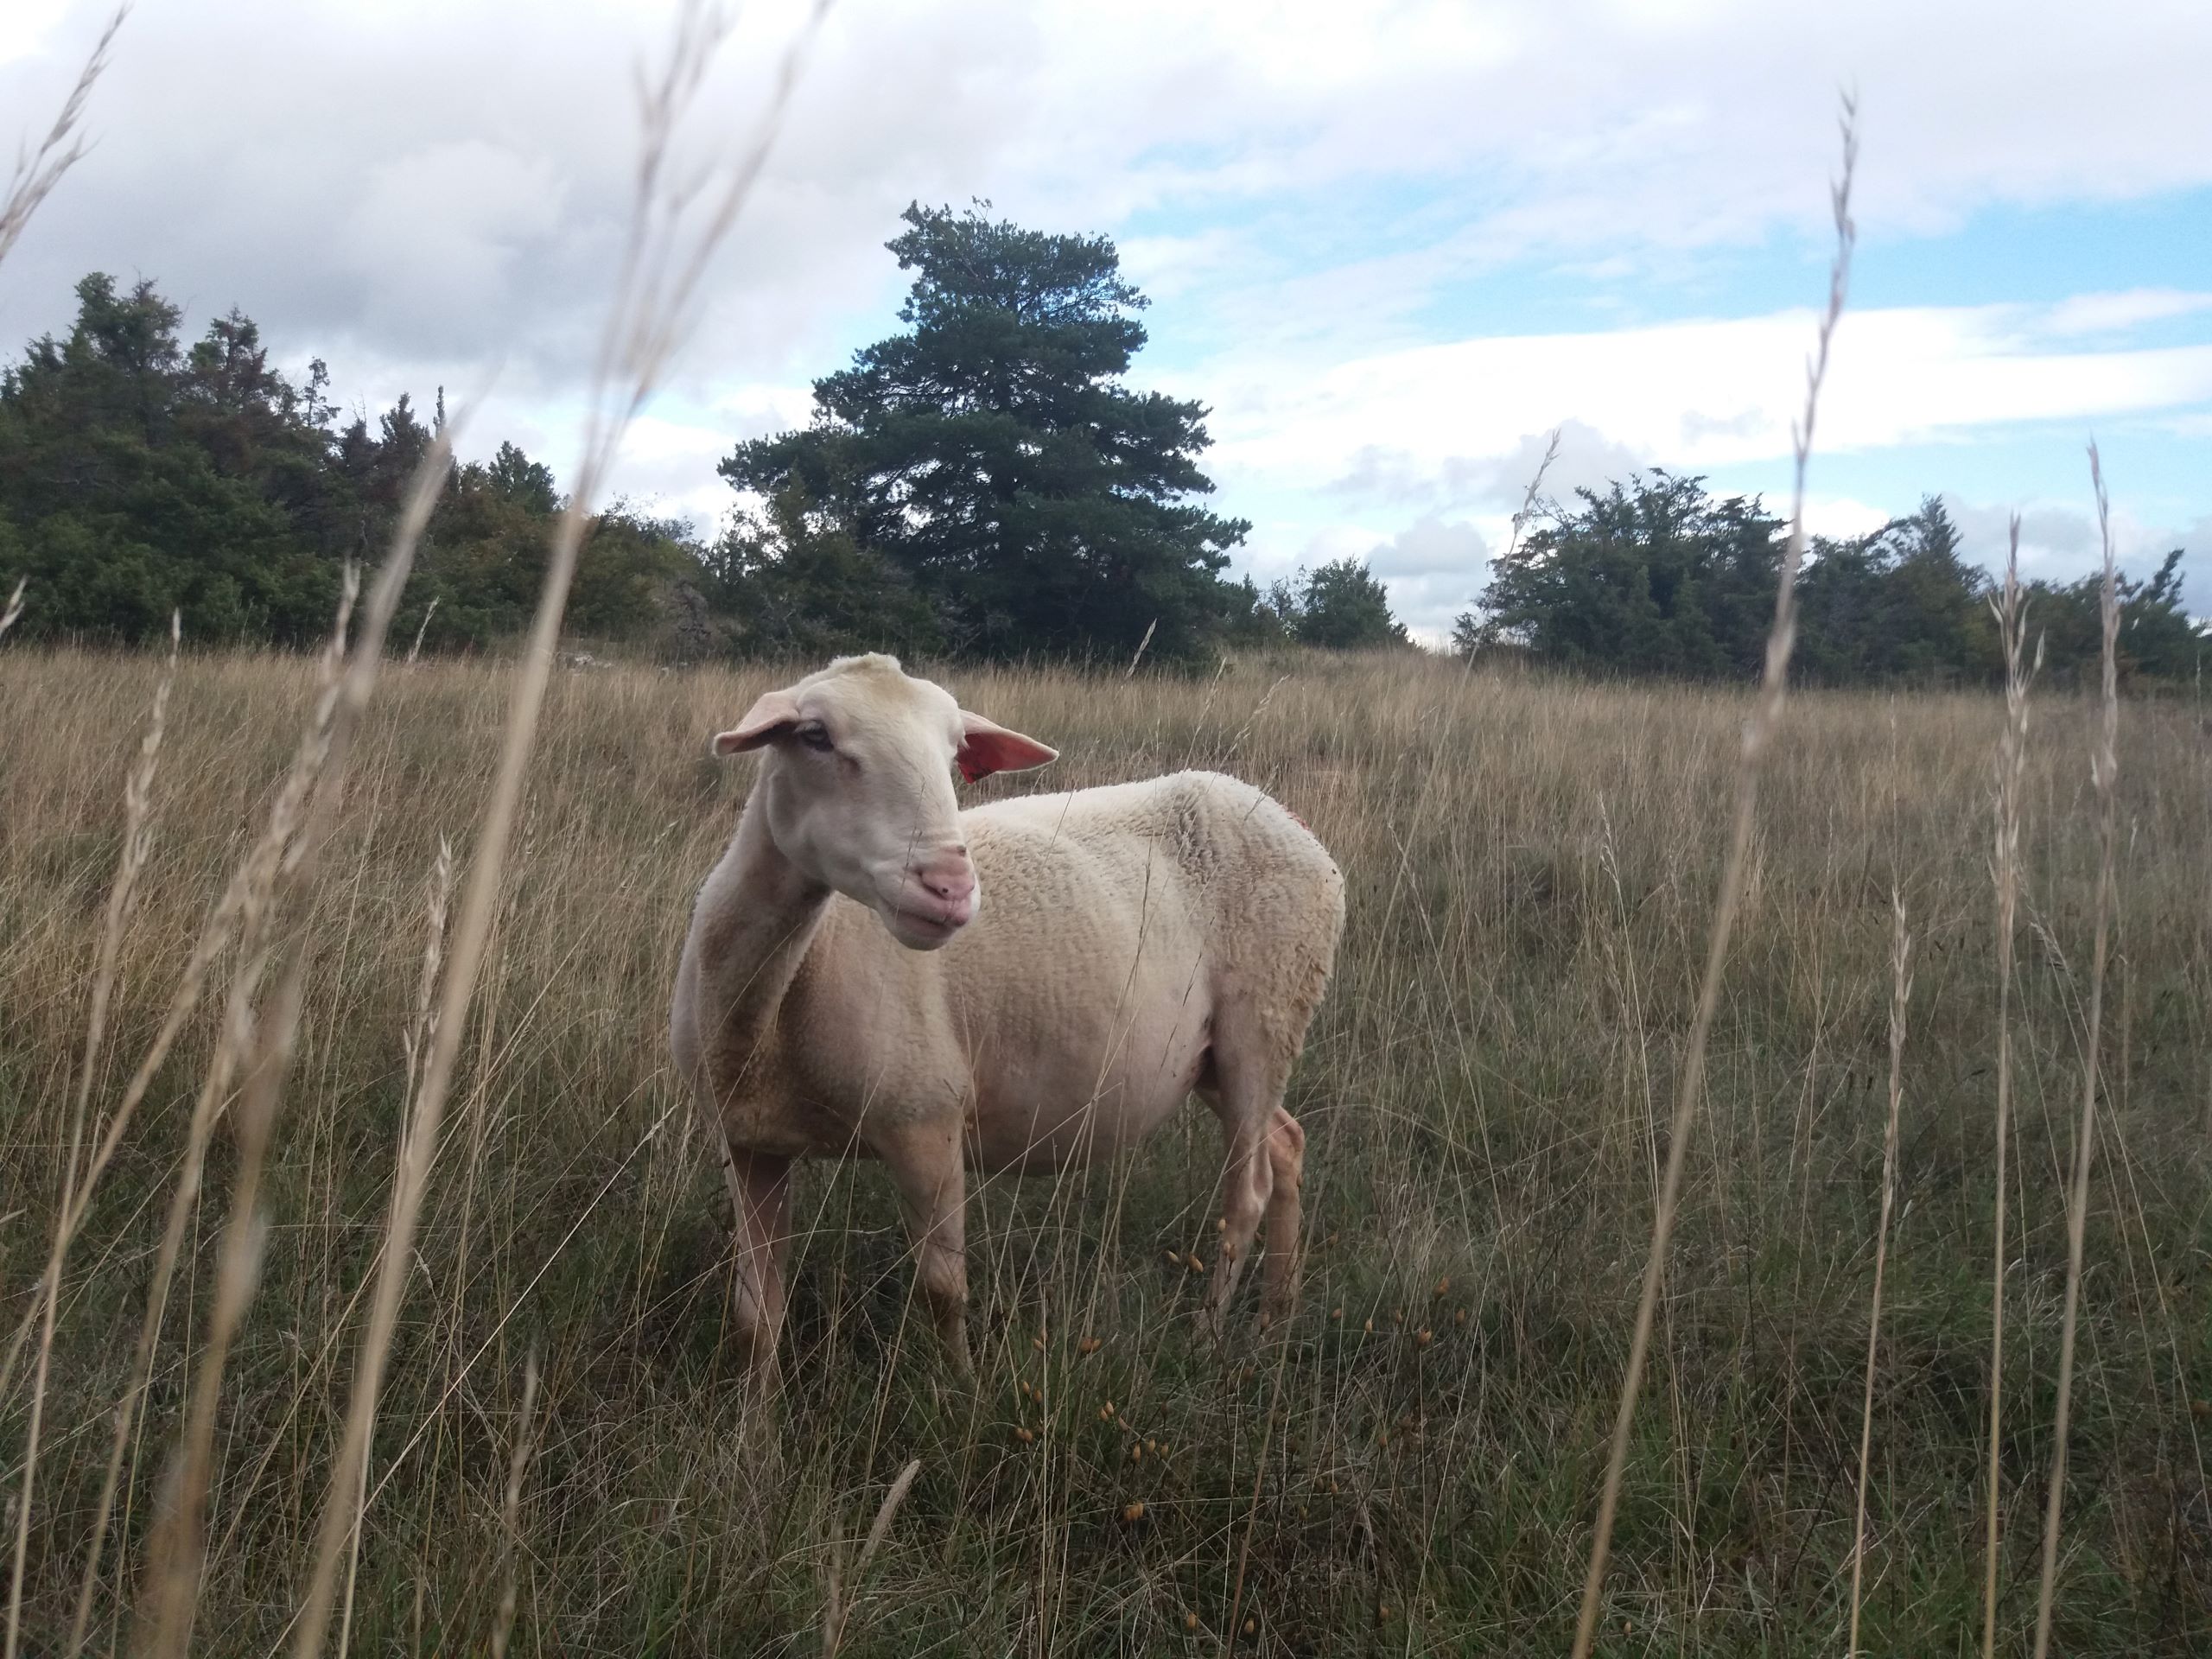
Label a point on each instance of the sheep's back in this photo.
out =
(1255, 886)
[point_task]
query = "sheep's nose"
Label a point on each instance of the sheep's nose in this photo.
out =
(952, 878)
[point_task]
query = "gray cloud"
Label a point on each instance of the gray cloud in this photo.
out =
(1587, 460)
(427, 193)
(2060, 544)
(1429, 547)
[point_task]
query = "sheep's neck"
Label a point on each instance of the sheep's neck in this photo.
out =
(760, 921)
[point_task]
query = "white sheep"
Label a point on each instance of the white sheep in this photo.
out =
(1140, 942)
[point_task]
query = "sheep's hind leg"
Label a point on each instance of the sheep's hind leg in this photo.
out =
(760, 1192)
(924, 1160)
(1264, 1166)
(1247, 1183)
(1287, 1159)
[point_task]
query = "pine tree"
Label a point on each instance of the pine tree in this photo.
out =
(992, 454)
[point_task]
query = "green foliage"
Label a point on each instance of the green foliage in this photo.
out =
(983, 484)
(795, 582)
(139, 477)
(1343, 606)
(1657, 577)
(2157, 639)
(991, 455)
(1653, 577)
(136, 479)
(1901, 604)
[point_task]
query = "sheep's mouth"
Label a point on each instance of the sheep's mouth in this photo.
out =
(920, 931)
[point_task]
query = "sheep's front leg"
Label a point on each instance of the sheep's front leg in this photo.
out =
(760, 1192)
(924, 1163)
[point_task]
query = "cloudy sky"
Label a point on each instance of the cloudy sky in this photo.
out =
(1391, 245)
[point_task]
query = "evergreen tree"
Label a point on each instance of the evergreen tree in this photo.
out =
(1901, 604)
(2157, 639)
(1345, 607)
(991, 453)
(1653, 577)
(796, 584)
(136, 479)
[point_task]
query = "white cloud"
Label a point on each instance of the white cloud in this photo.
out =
(1841, 517)
(2099, 314)
(1450, 422)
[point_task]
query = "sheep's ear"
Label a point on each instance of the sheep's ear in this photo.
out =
(775, 712)
(988, 747)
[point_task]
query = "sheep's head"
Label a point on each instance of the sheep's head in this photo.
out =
(857, 787)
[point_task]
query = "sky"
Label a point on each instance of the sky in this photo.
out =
(1391, 247)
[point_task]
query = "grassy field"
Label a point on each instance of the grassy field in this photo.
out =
(1413, 1465)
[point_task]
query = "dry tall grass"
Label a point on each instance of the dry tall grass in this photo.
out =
(1533, 868)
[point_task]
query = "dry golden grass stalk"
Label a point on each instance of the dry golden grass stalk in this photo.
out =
(130, 864)
(1759, 732)
(665, 258)
(177, 1550)
(421, 628)
(2104, 772)
(38, 172)
(1900, 994)
(256, 1046)
(2011, 609)
(1528, 508)
(837, 1592)
(510, 1514)
(275, 877)
(261, 1045)
(1142, 644)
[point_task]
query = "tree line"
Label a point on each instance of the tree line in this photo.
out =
(984, 483)
(1658, 576)
(140, 476)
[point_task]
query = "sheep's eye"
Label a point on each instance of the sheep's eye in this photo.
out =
(816, 737)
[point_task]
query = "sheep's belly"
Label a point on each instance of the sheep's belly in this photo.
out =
(1084, 1115)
